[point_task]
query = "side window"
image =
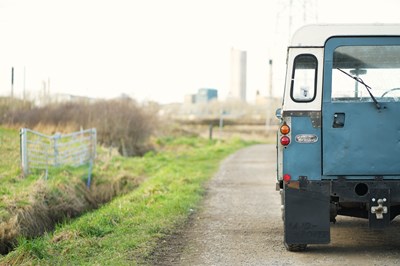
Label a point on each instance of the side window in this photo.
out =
(304, 78)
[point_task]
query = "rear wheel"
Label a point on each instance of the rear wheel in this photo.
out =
(296, 247)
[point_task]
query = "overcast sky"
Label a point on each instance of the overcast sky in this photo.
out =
(158, 49)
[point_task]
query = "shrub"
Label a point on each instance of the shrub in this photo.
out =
(120, 123)
(123, 124)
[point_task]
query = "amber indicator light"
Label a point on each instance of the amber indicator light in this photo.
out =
(285, 129)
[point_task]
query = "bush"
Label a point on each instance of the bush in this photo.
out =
(123, 124)
(120, 123)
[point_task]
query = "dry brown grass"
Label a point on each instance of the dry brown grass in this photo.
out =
(8, 232)
(120, 123)
(49, 203)
(259, 133)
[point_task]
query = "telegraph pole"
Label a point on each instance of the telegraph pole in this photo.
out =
(270, 79)
(24, 93)
(12, 82)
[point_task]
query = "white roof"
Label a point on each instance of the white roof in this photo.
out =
(317, 34)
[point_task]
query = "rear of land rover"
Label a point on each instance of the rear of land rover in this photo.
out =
(339, 138)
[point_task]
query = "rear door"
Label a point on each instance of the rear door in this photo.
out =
(361, 135)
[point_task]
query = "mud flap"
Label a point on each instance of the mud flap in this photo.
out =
(307, 218)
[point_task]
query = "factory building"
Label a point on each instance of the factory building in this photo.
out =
(238, 75)
(203, 95)
(206, 95)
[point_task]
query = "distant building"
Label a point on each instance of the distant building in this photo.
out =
(206, 95)
(63, 97)
(190, 99)
(238, 74)
(203, 95)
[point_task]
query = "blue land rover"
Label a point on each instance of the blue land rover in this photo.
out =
(338, 144)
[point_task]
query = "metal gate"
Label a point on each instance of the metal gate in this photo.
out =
(39, 151)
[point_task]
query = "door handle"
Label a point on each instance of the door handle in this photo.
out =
(338, 120)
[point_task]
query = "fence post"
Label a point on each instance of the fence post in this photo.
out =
(24, 151)
(56, 137)
(89, 180)
(94, 142)
(92, 150)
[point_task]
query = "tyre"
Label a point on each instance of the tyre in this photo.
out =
(296, 247)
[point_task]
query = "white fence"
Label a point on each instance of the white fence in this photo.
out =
(39, 151)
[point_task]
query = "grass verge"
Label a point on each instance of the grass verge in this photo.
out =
(30, 206)
(126, 231)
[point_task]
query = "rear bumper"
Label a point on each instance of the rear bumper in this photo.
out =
(351, 190)
(362, 190)
(376, 200)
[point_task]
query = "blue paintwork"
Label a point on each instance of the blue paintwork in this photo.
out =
(369, 143)
(303, 159)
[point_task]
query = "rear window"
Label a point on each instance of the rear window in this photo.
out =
(304, 78)
(378, 66)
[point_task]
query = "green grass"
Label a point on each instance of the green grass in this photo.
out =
(126, 230)
(9, 154)
(30, 205)
(12, 183)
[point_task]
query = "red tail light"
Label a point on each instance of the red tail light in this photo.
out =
(285, 140)
(286, 177)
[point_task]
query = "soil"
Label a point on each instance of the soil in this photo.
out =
(239, 223)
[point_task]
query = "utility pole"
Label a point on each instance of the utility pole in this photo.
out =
(270, 78)
(290, 20)
(24, 85)
(12, 82)
(270, 100)
(48, 87)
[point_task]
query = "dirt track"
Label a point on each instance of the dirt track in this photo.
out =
(240, 224)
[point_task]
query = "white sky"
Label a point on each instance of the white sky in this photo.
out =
(158, 49)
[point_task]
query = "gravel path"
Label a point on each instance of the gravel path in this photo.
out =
(240, 224)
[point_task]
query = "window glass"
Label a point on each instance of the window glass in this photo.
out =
(376, 66)
(304, 78)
